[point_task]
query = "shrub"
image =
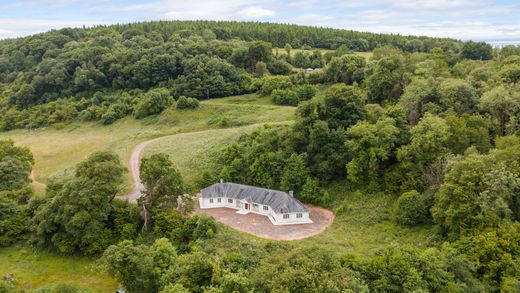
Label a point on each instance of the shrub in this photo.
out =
(187, 103)
(272, 83)
(285, 97)
(279, 67)
(305, 92)
(411, 209)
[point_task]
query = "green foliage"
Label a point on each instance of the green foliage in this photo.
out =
(153, 102)
(347, 69)
(306, 270)
(412, 209)
(387, 79)
(272, 83)
(479, 191)
(343, 106)
(502, 104)
(187, 103)
(370, 145)
(77, 215)
(476, 51)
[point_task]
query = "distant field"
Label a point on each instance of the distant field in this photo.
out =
(58, 150)
(32, 270)
(366, 55)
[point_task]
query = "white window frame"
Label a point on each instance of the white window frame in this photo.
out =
(210, 200)
(299, 215)
(286, 216)
(219, 200)
(266, 208)
(230, 200)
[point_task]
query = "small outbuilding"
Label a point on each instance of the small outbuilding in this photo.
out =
(280, 207)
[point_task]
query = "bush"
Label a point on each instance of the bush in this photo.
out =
(412, 209)
(187, 103)
(305, 92)
(279, 67)
(153, 102)
(272, 83)
(285, 97)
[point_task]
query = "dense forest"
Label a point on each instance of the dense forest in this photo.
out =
(434, 123)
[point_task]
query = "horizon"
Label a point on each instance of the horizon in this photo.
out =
(493, 21)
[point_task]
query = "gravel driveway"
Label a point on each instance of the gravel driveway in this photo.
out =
(260, 226)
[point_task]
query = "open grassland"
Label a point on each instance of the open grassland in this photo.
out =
(192, 152)
(32, 270)
(59, 149)
(366, 225)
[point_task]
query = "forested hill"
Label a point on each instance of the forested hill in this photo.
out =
(104, 73)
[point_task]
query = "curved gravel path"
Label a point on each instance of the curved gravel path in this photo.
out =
(133, 168)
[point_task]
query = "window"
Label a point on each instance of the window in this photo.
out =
(286, 216)
(266, 208)
(210, 200)
(230, 200)
(299, 215)
(219, 199)
(255, 205)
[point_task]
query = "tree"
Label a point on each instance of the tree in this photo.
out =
(501, 104)
(272, 83)
(259, 51)
(347, 69)
(187, 103)
(153, 102)
(428, 144)
(476, 51)
(295, 173)
(285, 97)
(387, 81)
(162, 182)
(343, 106)
(77, 215)
(479, 192)
(305, 270)
(457, 95)
(370, 145)
(411, 209)
(260, 69)
(140, 268)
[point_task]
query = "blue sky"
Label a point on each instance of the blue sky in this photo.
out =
(461, 19)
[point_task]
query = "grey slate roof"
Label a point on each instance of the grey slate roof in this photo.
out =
(279, 201)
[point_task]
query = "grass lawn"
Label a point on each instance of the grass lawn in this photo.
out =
(59, 149)
(192, 152)
(32, 270)
(366, 225)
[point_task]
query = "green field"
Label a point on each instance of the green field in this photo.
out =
(32, 270)
(191, 138)
(59, 149)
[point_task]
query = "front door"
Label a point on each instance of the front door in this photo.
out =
(246, 206)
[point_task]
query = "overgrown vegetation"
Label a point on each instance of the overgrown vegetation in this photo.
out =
(417, 150)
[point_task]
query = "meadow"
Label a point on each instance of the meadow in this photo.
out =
(190, 138)
(33, 269)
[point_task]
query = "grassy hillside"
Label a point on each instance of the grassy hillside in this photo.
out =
(58, 149)
(33, 269)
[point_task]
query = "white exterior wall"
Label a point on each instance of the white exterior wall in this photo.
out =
(276, 219)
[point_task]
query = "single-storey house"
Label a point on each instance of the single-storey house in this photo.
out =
(280, 207)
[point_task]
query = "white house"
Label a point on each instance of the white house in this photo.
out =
(280, 207)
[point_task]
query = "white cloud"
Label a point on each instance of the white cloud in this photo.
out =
(16, 27)
(255, 12)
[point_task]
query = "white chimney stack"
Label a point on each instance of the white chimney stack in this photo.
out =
(291, 193)
(221, 180)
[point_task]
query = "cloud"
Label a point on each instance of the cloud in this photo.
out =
(255, 12)
(461, 19)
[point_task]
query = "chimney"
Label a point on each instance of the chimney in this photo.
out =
(291, 193)
(221, 180)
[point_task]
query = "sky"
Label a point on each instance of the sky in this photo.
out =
(480, 20)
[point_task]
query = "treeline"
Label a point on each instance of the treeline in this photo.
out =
(156, 246)
(104, 73)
